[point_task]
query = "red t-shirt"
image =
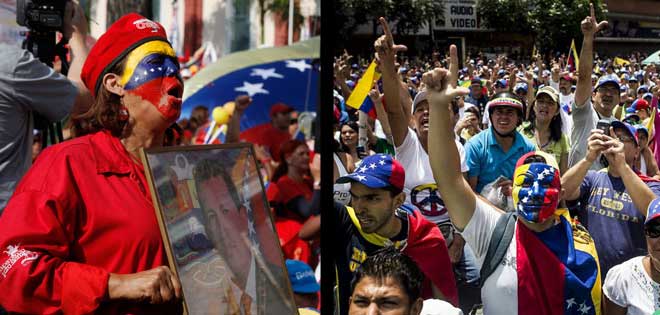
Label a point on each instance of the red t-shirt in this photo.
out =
(82, 211)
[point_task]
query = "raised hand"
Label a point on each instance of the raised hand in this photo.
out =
(385, 48)
(442, 84)
(242, 102)
(589, 25)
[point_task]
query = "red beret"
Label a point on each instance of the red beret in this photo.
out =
(126, 34)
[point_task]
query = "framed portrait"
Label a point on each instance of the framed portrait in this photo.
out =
(218, 231)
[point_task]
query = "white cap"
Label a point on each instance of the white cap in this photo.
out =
(422, 95)
(439, 307)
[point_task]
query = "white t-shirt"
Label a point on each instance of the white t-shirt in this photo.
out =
(341, 192)
(499, 293)
(566, 120)
(628, 285)
(420, 187)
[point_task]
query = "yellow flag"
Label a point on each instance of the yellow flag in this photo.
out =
(573, 53)
(363, 87)
(620, 61)
(651, 123)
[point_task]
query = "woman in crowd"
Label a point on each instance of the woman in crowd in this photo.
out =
(80, 232)
(633, 287)
(544, 126)
(348, 139)
(468, 126)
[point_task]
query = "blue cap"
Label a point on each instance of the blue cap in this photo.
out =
(653, 211)
(633, 79)
(350, 83)
(301, 277)
(630, 109)
(631, 117)
(641, 128)
(501, 72)
(647, 95)
(628, 128)
(501, 83)
(608, 80)
(377, 171)
(476, 80)
(643, 89)
(520, 86)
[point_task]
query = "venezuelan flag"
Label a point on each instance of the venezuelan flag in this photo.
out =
(620, 61)
(359, 98)
(573, 59)
(558, 271)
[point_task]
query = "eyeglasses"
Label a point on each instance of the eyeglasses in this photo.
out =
(626, 139)
(652, 229)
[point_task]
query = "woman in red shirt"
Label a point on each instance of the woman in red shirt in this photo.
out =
(80, 233)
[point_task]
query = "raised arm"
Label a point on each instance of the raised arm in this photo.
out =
(571, 181)
(589, 28)
(443, 154)
(386, 55)
(234, 125)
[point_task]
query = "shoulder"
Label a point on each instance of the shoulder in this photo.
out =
(478, 140)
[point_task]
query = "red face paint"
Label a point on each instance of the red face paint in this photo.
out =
(164, 93)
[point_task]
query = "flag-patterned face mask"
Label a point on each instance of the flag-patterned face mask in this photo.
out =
(536, 188)
(152, 72)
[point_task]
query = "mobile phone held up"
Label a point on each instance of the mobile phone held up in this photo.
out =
(604, 125)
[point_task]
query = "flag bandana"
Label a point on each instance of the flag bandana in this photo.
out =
(558, 271)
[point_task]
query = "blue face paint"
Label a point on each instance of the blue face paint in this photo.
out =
(536, 188)
(153, 67)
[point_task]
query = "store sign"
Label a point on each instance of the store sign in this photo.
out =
(459, 15)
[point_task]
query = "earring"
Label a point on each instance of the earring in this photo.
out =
(123, 111)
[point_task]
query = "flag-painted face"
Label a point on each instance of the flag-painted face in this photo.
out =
(152, 73)
(536, 188)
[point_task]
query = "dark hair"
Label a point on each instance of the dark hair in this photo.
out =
(207, 168)
(555, 123)
(475, 111)
(104, 112)
(353, 125)
(390, 262)
(283, 167)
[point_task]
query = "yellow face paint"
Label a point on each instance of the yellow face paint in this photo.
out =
(144, 50)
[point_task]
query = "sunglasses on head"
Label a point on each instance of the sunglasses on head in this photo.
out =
(652, 229)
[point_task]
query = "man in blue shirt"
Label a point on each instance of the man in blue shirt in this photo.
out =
(494, 152)
(608, 208)
(477, 95)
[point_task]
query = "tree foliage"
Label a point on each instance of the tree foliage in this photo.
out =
(408, 16)
(553, 23)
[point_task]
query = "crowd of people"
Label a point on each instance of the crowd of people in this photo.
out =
(78, 227)
(563, 158)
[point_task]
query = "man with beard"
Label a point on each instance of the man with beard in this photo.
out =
(606, 95)
(376, 220)
(493, 152)
(411, 151)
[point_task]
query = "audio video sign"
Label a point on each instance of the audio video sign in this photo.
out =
(459, 15)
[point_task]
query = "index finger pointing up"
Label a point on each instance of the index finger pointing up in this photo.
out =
(453, 66)
(386, 30)
(591, 9)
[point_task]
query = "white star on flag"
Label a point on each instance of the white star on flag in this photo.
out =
(540, 176)
(299, 65)
(584, 309)
(524, 200)
(372, 166)
(381, 162)
(265, 73)
(361, 177)
(363, 169)
(251, 89)
(570, 302)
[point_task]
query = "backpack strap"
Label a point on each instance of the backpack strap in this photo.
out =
(499, 244)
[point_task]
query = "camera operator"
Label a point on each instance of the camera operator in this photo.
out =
(29, 87)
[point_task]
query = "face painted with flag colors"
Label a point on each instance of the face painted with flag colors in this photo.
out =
(152, 73)
(536, 188)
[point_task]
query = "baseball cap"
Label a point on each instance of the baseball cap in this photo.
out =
(640, 128)
(566, 77)
(280, 108)
(643, 89)
(632, 79)
(631, 118)
(501, 83)
(377, 171)
(628, 128)
(501, 73)
(607, 80)
(550, 91)
(301, 277)
(653, 211)
(647, 95)
(419, 97)
(521, 86)
(640, 104)
(476, 81)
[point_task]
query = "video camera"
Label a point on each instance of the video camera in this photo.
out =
(43, 18)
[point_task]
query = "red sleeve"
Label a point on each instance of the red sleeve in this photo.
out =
(427, 247)
(37, 272)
